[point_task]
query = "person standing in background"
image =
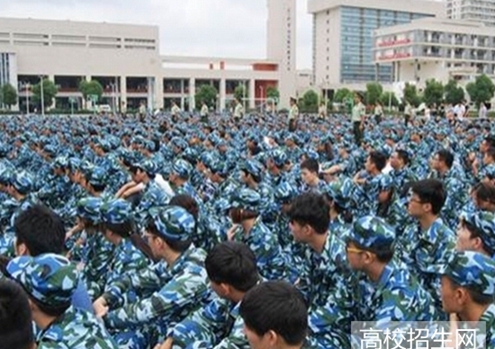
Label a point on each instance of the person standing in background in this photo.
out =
(293, 114)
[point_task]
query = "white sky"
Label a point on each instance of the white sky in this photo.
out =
(228, 28)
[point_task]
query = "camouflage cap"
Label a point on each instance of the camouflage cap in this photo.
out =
(473, 270)
(173, 222)
(98, 176)
(49, 278)
(6, 175)
(284, 192)
(22, 181)
(279, 157)
(182, 168)
(60, 162)
(373, 233)
(386, 182)
(148, 166)
(341, 192)
(484, 222)
(116, 211)
(246, 199)
(253, 167)
(90, 208)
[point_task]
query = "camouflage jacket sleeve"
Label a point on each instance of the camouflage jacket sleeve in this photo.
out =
(177, 294)
(210, 324)
(146, 279)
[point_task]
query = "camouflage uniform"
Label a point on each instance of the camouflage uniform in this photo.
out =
(52, 280)
(397, 296)
(177, 290)
(218, 326)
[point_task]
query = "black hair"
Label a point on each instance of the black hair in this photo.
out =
(485, 192)
(430, 191)
(378, 159)
(383, 254)
(177, 246)
(311, 165)
(50, 310)
(276, 306)
(490, 140)
(491, 153)
(127, 230)
(446, 156)
(15, 317)
(257, 179)
(41, 230)
(404, 156)
(312, 209)
(232, 263)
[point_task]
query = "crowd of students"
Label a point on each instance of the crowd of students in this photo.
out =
(208, 231)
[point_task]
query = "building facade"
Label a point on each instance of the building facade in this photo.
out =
(442, 49)
(126, 60)
(481, 11)
(343, 37)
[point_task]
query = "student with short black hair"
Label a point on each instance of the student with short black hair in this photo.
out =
(231, 268)
(15, 317)
(310, 176)
(275, 316)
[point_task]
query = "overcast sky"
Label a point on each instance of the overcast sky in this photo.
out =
(224, 28)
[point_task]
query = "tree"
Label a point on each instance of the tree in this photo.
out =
(240, 93)
(9, 95)
(373, 92)
(433, 93)
(453, 94)
(389, 97)
(207, 94)
(341, 94)
(481, 90)
(309, 102)
(272, 92)
(411, 95)
(49, 92)
(88, 88)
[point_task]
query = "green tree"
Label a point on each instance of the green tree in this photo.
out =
(9, 95)
(411, 95)
(453, 94)
(389, 97)
(309, 102)
(207, 94)
(272, 92)
(341, 94)
(88, 88)
(481, 90)
(240, 93)
(433, 93)
(49, 92)
(373, 92)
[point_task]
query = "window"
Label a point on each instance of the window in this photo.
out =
(69, 37)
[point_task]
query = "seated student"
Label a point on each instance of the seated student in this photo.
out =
(231, 268)
(15, 317)
(476, 232)
(177, 283)
(468, 287)
(39, 230)
(50, 281)
(394, 294)
(275, 316)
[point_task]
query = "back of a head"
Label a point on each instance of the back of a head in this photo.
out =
(311, 165)
(41, 230)
(15, 317)
(276, 306)
(379, 159)
(232, 263)
(430, 191)
(312, 209)
(446, 156)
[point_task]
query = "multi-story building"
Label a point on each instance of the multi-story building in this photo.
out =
(433, 48)
(476, 10)
(126, 60)
(343, 37)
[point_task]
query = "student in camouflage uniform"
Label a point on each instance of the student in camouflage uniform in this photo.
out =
(275, 316)
(177, 283)
(50, 281)
(476, 232)
(326, 280)
(468, 288)
(394, 294)
(429, 242)
(232, 271)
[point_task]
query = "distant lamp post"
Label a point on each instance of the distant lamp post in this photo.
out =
(42, 96)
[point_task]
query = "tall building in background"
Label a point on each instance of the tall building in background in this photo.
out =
(343, 37)
(476, 10)
(281, 43)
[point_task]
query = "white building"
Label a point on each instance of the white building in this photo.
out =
(442, 49)
(476, 10)
(126, 60)
(343, 37)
